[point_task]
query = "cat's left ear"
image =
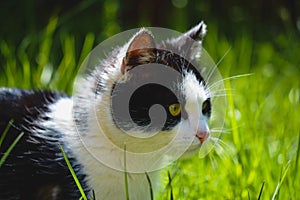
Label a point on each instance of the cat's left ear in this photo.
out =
(198, 32)
(141, 50)
(189, 43)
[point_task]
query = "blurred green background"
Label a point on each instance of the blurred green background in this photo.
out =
(40, 33)
(42, 44)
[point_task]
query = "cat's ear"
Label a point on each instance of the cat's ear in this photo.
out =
(189, 43)
(198, 32)
(141, 50)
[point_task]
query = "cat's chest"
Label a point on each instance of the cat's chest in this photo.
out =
(101, 162)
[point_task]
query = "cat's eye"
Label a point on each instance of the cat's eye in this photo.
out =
(206, 108)
(175, 109)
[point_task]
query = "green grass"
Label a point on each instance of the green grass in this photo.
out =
(262, 146)
(126, 175)
(11, 147)
(260, 159)
(78, 184)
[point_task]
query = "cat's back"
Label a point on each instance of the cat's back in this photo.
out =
(23, 106)
(35, 168)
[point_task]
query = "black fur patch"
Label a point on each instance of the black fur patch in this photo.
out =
(164, 57)
(148, 95)
(35, 169)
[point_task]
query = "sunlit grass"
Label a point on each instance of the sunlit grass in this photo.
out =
(263, 116)
(52, 66)
(261, 151)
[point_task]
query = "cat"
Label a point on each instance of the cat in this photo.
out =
(36, 168)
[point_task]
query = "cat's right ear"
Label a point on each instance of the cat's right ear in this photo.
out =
(141, 50)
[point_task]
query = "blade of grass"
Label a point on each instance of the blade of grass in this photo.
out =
(170, 185)
(73, 174)
(11, 63)
(126, 174)
(248, 193)
(67, 64)
(25, 63)
(3, 158)
(6, 130)
(282, 177)
(150, 186)
(94, 196)
(261, 190)
(297, 157)
(87, 47)
(235, 131)
(45, 47)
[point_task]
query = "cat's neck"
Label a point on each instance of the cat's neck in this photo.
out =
(100, 176)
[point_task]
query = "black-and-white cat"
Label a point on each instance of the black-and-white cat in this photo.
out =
(36, 169)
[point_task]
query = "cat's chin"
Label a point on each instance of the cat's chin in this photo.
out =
(192, 150)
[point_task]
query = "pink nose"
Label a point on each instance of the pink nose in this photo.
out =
(202, 135)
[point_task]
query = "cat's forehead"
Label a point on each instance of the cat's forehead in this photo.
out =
(179, 63)
(194, 91)
(166, 58)
(180, 75)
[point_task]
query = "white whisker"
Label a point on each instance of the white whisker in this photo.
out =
(223, 90)
(223, 130)
(229, 78)
(216, 65)
(219, 95)
(222, 149)
(220, 92)
(216, 131)
(213, 161)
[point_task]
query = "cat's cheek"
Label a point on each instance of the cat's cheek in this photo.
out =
(184, 133)
(186, 138)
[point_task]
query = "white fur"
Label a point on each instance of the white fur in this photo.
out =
(107, 183)
(196, 94)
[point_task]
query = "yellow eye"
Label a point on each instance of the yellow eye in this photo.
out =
(175, 109)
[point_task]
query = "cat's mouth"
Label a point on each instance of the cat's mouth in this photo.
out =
(202, 135)
(194, 147)
(192, 150)
(199, 140)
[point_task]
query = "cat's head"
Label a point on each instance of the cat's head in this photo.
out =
(151, 95)
(158, 92)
